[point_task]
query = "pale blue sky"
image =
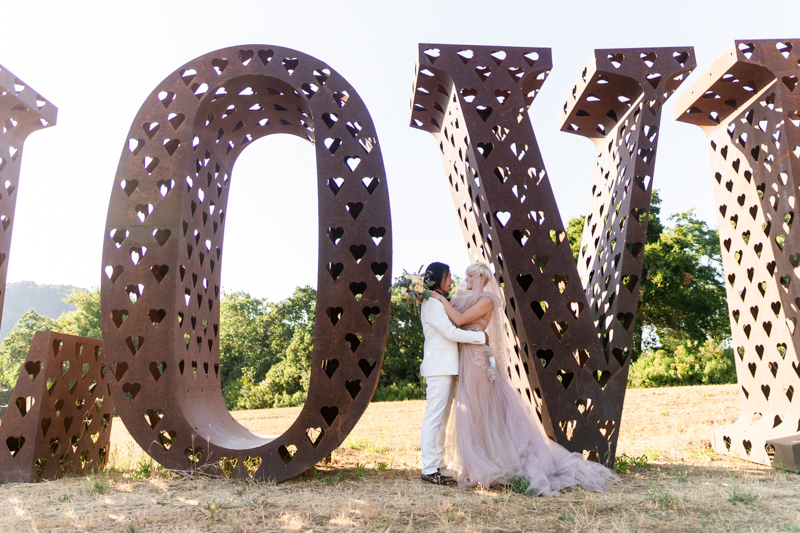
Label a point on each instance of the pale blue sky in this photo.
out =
(98, 60)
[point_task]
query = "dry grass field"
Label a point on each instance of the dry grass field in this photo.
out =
(676, 483)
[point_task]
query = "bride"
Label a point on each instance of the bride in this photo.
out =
(496, 438)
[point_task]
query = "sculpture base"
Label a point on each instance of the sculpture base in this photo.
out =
(769, 450)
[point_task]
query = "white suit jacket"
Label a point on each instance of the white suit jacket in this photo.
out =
(440, 354)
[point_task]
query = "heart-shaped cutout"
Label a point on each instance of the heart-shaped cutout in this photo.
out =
(265, 56)
(329, 413)
(371, 314)
(334, 269)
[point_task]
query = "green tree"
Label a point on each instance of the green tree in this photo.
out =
(15, 346)
(286, 382)
(654, 226)
(404, 345)
(241, 342)
(85, 320)
(682, 294)
(575, 234)
(265, 349)
(400, 378)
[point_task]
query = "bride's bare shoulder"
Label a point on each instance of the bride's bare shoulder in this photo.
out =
(495, 299)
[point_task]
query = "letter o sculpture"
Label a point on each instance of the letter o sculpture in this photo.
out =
(162, 256)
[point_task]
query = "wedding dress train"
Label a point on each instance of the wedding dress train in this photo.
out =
(494, 437)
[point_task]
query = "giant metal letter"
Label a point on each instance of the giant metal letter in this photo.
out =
(747, 106)
(59, 417)
(22, 112)
(569, 327)
(163, 251)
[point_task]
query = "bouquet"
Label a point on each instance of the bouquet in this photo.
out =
(413, 288)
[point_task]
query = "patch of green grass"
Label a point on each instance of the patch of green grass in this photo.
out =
(651, 453)
(660, 496)
(704, 451)
(128, 528)
(336, 479)
(682, 473)
(625, 462)
(360, 469)
(144, 469)
(520, 484)
(365, 444)
(213, 508)
(99, 486)
(382, 466)
(566, 516)
(737, 495)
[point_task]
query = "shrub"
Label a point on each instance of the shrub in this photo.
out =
(286, 383)
(690, 364)
(405, 390)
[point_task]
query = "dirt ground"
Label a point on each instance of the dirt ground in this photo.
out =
(674, 482)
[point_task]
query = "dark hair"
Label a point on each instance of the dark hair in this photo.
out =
(436, 272)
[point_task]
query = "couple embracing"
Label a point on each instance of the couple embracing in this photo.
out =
(493, 437)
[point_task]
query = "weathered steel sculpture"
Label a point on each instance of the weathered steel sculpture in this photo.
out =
(59, 417)
(22, 111)
(163, 251)
(747, 107)
(570, 327)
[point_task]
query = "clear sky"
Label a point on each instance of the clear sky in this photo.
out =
(98, 60)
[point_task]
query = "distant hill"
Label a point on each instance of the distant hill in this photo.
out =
(22, 296)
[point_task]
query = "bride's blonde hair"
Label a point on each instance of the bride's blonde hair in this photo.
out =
(482, 270)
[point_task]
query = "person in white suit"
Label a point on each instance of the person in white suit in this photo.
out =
(439, 368)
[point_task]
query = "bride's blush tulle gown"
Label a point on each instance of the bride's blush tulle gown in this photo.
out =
(494, 437)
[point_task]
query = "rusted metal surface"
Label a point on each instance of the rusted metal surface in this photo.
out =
(163, 252)
(22, 111)
(59, 418)
(747, 105)
(570, 327)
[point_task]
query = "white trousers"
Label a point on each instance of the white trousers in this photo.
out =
(439, 394)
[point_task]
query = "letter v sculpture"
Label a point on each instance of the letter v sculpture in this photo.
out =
(570, 326)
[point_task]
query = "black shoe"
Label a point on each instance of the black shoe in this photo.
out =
(437, 479)
(444, 477)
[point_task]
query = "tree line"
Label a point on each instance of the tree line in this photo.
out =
(681, 338)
